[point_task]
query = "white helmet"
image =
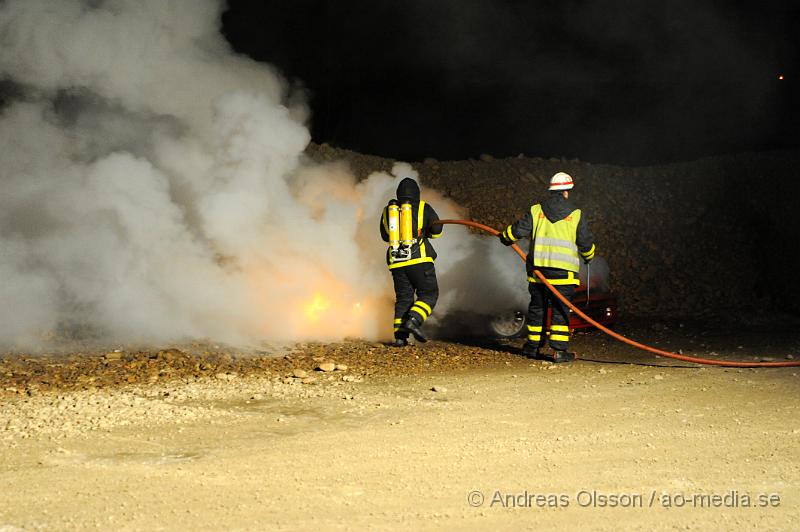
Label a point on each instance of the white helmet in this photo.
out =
(561, 181)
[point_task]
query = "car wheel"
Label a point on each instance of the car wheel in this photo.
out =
(508, 324)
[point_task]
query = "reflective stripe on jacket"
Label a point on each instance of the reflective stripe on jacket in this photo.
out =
(556, 210)
(553, 243)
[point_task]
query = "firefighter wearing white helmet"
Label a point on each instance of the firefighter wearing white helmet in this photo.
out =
(559, 238)
(561, 181)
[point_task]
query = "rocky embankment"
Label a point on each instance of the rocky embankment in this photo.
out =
(708, 237)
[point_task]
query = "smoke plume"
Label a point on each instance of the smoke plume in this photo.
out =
(154, 189)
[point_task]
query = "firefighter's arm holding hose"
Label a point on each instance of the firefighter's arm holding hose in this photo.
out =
(517, 230)
(431, 229)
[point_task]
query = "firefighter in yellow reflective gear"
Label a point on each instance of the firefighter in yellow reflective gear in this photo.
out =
(560, 239)
(406, 224)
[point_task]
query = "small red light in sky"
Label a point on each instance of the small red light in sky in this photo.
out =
(780, 77)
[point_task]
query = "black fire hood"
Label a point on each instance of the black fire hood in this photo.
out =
(408, 190)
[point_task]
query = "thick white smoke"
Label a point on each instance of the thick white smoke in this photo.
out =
(154, 188)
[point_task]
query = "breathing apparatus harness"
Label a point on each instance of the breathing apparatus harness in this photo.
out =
(401, 232)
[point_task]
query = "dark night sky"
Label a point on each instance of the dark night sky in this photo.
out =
(628, 82)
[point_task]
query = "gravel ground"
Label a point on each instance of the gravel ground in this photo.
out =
(62, 395)
(403, 439)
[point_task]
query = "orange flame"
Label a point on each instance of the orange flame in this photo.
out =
(292, 306)
(317, 306)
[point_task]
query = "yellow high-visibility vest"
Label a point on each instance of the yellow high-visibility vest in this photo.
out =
(553, 244)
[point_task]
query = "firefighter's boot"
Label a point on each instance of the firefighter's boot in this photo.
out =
(399, 342)
(413, 325)
(563, 356)
(531, 350)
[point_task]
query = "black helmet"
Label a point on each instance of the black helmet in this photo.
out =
(408, 190)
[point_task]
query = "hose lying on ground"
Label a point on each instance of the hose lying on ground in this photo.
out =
(696, 360)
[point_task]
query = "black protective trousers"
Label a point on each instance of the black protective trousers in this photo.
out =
(542, 300)
(416, 291)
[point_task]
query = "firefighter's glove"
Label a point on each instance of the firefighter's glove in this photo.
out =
(504, 240)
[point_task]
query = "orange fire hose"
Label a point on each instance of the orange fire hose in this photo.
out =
(696, 360)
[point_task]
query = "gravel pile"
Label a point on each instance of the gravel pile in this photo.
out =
(695, 239)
